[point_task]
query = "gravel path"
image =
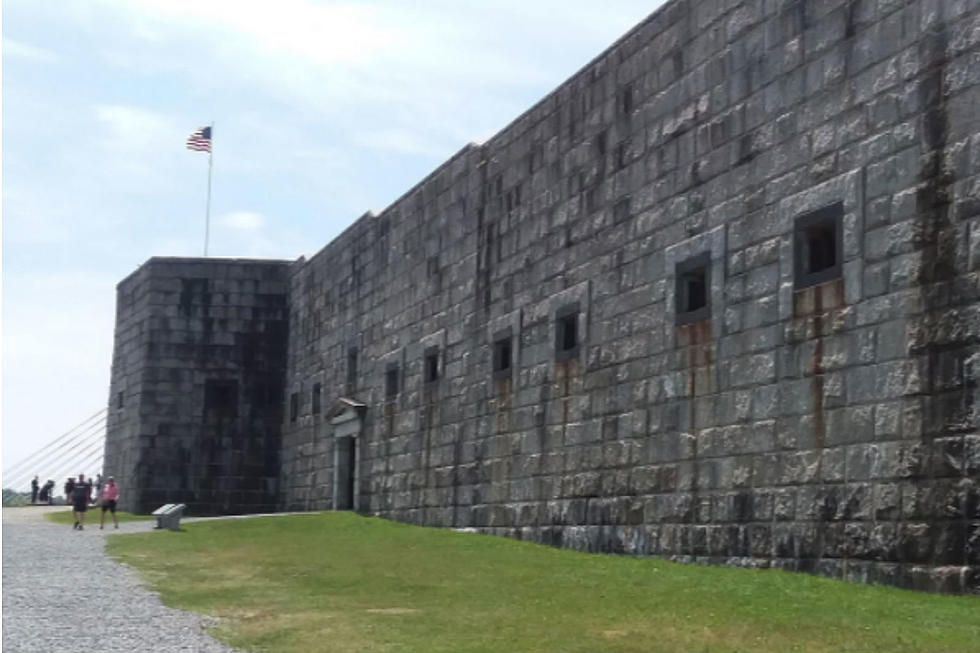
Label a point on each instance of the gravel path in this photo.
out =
(76, 598)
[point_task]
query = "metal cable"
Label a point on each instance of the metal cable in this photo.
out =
(85, 456)
(55, 458)
(59, 459)
(60, 443)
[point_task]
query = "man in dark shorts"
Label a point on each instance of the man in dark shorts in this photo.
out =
(81, 495)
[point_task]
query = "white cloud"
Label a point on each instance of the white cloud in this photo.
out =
(319, 33)
(416, 65)
(19, 50)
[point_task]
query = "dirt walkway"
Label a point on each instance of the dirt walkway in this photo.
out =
(60, 591)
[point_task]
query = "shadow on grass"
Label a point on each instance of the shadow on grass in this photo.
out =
(93, 516)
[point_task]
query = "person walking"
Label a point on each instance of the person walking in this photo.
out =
(34, 488)
(110, 495)
(81, 495)
(69, 489)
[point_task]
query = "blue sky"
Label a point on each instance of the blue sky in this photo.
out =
(322, 110)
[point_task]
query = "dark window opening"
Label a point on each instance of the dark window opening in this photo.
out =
(621, 156)
(692, 289)
(490, 230)
(354, 269)
(435, 273)
(391, 381)
(569, 335)
(193, 291)
(293, 406)
(315, 399)
(600, 143)
(221, 396)
(821, 247)
(818, 246)
(119, 400)
(566, 332)
(431, 364)
(626, 103)
(502, 355)
(352, 367)
(696, 292)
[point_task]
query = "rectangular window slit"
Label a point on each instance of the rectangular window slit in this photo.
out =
(627, 101)
(818, 246)
(315, 399)
(351, 368)
(502, 355)
(692, 289)
(566, 332)
(391, 381)
(432, 365)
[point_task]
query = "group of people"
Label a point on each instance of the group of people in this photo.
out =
(43, 493)
(79, 494)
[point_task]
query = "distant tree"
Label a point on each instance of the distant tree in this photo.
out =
(15, 498)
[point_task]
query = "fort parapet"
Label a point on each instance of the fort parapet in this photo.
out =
(714, 299)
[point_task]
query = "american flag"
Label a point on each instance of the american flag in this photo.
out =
(200, 141)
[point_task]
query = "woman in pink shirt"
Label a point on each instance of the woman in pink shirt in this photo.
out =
(110, 494)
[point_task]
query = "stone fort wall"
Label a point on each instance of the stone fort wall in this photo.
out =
(195, 401)
(716, 299)
(830, 427)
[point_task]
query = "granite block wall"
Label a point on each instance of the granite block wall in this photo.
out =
(733, 266)
(196, 394)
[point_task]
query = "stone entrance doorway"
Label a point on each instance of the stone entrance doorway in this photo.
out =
(347, 421)
(345, 466)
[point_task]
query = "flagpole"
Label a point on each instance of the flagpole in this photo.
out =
(207, 211)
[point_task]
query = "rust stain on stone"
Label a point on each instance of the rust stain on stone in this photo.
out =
(502, 403)
(696, 339)
(817, 369)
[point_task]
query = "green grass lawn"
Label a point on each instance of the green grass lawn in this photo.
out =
(344, 583)
(92, 516)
